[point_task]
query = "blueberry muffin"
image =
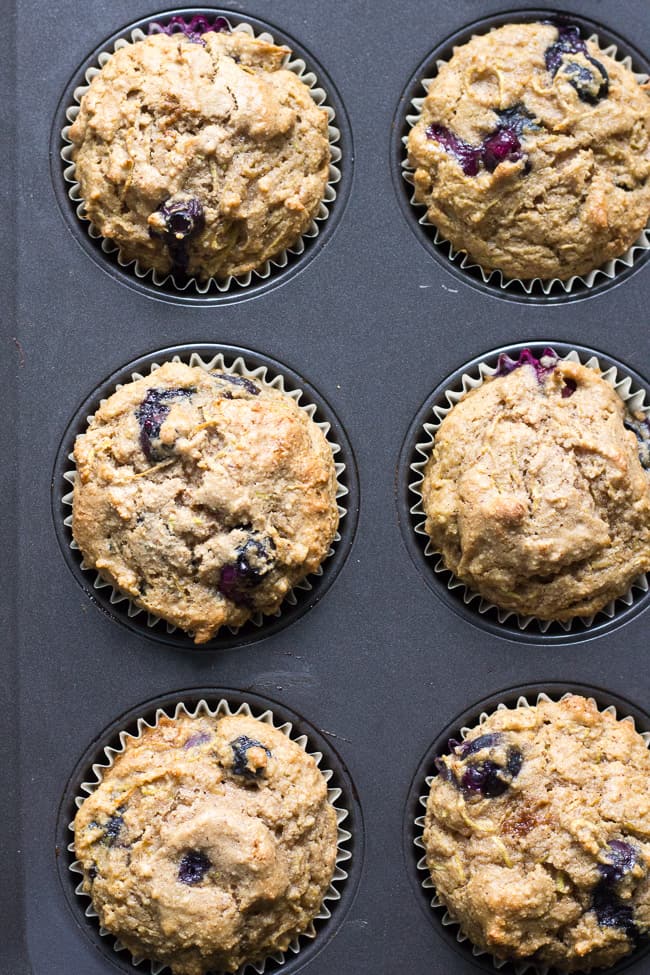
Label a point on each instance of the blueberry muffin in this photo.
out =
(199, 153)
(204, 496)
(209, 843)
(532, 152)
(535, 494)
(537, 835)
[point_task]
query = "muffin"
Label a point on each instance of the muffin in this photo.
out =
(209, 843)
(537, 835)
(204, 496)
(535, 495)
(200, 155)
(532, 152)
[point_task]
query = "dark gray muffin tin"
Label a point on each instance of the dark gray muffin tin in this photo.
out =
(369, 317)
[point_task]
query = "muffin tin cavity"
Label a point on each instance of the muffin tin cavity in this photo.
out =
(417, 449)
(341, 794)
(503, 142)
(423, 889)
(193, 22)
(238, 363)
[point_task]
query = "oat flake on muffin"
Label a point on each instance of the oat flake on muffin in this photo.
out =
(535, 494)
(209, 843)
(537, 834)
(204, 496)
(200, 155)
(532, 152)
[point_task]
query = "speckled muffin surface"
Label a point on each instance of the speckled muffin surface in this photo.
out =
(204, 496)
(204, 156)
(535, 494)
(532, 152)
(537, 834)
(209, 843)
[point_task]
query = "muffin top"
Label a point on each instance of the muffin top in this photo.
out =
(200, 155)
(532, 152)
(204, 496)
(535, 495)
(537, 834)
(209, 843)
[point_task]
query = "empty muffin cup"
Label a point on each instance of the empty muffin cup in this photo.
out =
(480, 163)
(180, 219)
(243, 767)
(542, 363)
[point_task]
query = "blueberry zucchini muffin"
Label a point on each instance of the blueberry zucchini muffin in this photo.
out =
(208, 844)
(537, 835)
(532, 152)
(535, 493)
(204, 496)
(199, 153)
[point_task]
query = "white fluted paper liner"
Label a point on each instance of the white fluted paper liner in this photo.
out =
(634, 399)
(606, 271)
(261, 376)
(332, 894)
(448, 920)
(299, 68)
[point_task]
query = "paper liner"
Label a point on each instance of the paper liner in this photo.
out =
(158, 278)
(635, 401)
(606, 271)
(447, 919)
(261, 376)
(333, 794)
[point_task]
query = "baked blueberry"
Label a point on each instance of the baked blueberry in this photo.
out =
(152, 413)
(193, 28)
(175, 222)
(501, 145)
(542, 366)
(112, 829)
(242, 763)
(193, 867)
(254, 561)
(246, 384)
(589, 79)
(569, 388)
(622, 857)
(467, 748)
(640, 426)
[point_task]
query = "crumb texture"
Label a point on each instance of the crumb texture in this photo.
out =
(537, 835)
(209, 843)
(215, 127)
(535, 495)
(204, 496)
(532, 152)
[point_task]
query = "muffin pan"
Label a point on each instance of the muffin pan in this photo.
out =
(371, 320)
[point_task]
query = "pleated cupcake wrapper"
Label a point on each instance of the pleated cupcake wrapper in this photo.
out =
(447, 919)
(634, 400)
(606, 271)
(261, 375)
(300, 69)
(203, 709)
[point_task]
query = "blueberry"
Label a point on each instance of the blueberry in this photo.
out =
(506, 364)
(444, 771)
(467, 155)
(502, 144)
(152, 413)
(569, 388)
(193, 867)
(517, 118)
(641, 428)
(179, 220)
(246, 384)
(611, 912)
(468, 748)
(488, 778)
(254, 561)
(112, 829)
(240, 766)
(193, 28)
(622, 858)
(591, 83)
(200, 738)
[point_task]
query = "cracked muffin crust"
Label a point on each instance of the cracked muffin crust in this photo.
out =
(201, 154)
(204, 496)
(209, 843)
(537, 834)
(532, 152)
(535, 494)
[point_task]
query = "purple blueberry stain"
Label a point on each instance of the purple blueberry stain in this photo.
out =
(640, 426)
(569, 388)
(178, 221)
(503, 144)
(194, 29)
(543, 366)
(591, 83)
(240, 747)
(240, 381)
(200, 738)
(193, 867)
(152, 413)
(254, 560)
